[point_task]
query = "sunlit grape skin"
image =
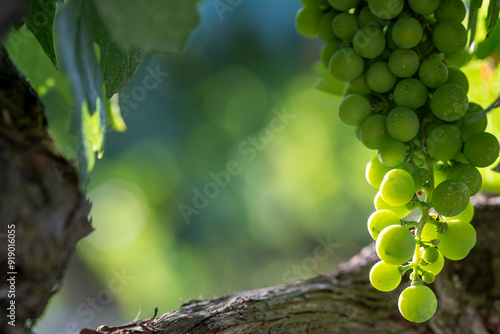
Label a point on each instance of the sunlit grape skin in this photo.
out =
(385, 277)
(395, 245)
(417, 303)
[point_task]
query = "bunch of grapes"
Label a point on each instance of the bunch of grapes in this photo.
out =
(405, 101)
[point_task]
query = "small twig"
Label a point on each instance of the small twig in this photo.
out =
(494, 105)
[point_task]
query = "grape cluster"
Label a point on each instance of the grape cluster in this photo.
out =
(406, 101)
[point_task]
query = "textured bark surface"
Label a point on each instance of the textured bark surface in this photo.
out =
(468, 294)
(40, 199)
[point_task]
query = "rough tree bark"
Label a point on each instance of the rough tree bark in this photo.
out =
(43, 213)
(468, 294)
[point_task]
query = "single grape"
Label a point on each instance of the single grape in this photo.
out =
(420, 175)
(325, 30)
(458, 77)
(401, 211)
(344, 5)
(428, 277)
(403, 62)
(380, 78)
(388, 37)
(359, 85)
(429, 232)
(410, 93)
(464, 216)
(397, 188)
(395, 245)
(430, 254)
(469, 175)
(407, 32)
(369, 42)
(424, 7)
(402, 124)
(481, 149)
(379, 220)
(417, 303)
(375, 172)
(433, 73)
(372, 131)
(449, 102)
(434, 267)
(444, 142)
(354, 109)
(307, 21)
(346, 65)
(450, 197)
(328, 50)
(440, 174)
(344, 26)
(473, 121)
(392, 153)
(449, 37)
(385, 277)
(386, 9)
(453, 10)
(457, 240)
(366, 18)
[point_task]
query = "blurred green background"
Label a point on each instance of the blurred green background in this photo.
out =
(234, 173)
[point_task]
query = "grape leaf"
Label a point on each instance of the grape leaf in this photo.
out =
(79, 60)
(492, 17)
(154, 25)
(40, 20)
(474, 6)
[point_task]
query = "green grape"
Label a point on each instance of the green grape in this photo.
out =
(402, 124)
(469, 175)
(322, 3)
(410, 93)
(420, 175)
(401, 211)
(380, 78)
(407, 32)
(375, 172)
(439, 174)
(460, 59)
(458, 77)
(366, 18)
(449, 102)
(453, 10)
(403, 62)
(395, 245)
(328, 50)
(388, 37)
(428, 277)
(386, 9)
(397, 188)
(347, 91)
(444, 142)
(424, 7)
(372, 131)
(473, 121)
(434, 267)
(417, 303)
(392, 153)
(344, 26)
(385, 277)
(307, 21)
(346, 65)
(369, 42)
(481, 149)
(464, 216)
(325, 27)
(354, 109)
(450, 197)
(433, 73)
(449, 37)
(359, 85)
(344, 5)
(379, 220)
(430, 254)
(457, 240)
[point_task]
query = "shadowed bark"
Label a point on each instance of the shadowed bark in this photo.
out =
(468, 294)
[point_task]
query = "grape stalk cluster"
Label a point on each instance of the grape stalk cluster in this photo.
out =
(405, 100)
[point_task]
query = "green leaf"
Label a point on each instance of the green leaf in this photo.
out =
(492, 17)
(154, 25)
(117, 66)
(474, 6)
(79, 60)
(40, 20)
